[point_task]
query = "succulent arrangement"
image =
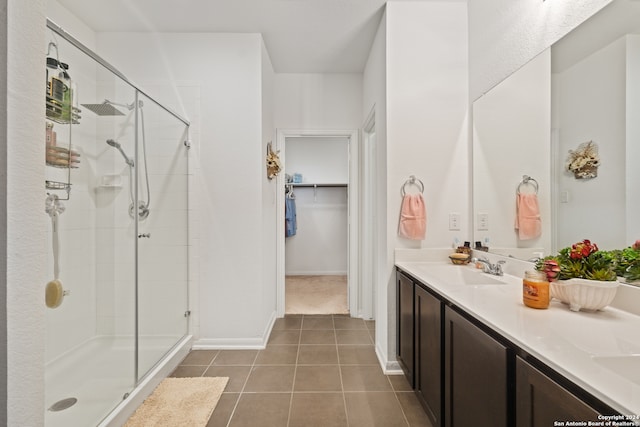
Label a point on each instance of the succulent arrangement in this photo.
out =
(627, 262)
(584, 260)
(581, 260)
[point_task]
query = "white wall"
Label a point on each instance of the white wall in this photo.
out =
(227, 70)
(427, 127)
(4, 104)
(321, 242)
(511, 138)
(633, 136)
(320, 160)
(269, 189)
(25, 231)
(588, 112)
(64, 18)
(505, 34)
(374, 101)
(318, 101)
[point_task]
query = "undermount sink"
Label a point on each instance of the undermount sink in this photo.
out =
(627, 366)
(458, 275)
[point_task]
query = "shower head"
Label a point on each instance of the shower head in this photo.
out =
(115, 144)
(104, 109)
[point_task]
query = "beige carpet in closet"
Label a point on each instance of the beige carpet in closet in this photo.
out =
(316, 295)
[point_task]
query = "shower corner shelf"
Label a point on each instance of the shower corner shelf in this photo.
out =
(62, 166)
(110, 181)
(57, 185)
(56, 113)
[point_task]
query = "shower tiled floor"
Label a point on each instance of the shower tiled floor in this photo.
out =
(316, 371)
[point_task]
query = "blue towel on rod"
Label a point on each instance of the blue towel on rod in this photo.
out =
(290, 217)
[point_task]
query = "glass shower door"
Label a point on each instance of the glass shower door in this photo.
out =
(90, 336)
(162, 244)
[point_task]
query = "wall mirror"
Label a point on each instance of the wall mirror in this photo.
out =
(585, 88)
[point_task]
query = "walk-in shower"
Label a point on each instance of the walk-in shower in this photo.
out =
(123, 323)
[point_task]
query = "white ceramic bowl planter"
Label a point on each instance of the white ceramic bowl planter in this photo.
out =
(584, 293)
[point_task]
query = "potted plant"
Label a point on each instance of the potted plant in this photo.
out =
(581, 275)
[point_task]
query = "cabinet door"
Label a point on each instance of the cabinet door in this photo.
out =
(540, 401)
(475, 375)
(428, 357)
(405, 326)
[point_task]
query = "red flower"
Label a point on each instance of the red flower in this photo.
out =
(582, 249)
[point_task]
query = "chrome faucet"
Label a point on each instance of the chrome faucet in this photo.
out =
(487, 267)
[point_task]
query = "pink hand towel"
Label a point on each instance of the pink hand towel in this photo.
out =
(413, 217)
(528, 221)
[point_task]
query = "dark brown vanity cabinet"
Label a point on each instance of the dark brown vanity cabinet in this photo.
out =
(428, 353)
(467, 374)
(419, 347)
(405, 320)
(540, 401)
(475, 384)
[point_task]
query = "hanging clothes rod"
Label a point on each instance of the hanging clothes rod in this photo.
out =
(316, 185)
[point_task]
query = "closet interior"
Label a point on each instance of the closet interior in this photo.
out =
(317, 225)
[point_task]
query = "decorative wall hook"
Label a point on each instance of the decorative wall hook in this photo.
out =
(273, 162)
(583, 162)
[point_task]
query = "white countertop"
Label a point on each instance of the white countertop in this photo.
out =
(577, 345)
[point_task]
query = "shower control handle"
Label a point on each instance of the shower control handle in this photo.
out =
(147, 235)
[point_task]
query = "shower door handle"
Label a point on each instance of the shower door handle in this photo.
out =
(147, 235)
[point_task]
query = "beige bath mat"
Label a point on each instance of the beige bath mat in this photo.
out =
(180, 402)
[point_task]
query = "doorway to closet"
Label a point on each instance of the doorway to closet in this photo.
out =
(316, 201)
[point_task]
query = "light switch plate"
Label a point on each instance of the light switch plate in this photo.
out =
(483, 221)
(454, 221)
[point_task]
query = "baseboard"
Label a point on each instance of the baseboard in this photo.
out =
(315, 273)
(389, 367)
(237, 343)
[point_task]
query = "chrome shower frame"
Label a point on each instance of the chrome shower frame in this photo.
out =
(77, 44)
(141, 379)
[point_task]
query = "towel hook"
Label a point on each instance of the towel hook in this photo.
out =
(527, 180)
(412, 181)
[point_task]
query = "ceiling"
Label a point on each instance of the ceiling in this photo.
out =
(302, 36)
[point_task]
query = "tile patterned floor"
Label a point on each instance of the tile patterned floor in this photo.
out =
(316, 371)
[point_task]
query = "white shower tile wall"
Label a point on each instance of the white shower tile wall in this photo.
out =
(162, 258)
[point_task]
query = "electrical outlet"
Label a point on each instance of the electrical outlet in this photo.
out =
(483, 221)
(454, 221)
